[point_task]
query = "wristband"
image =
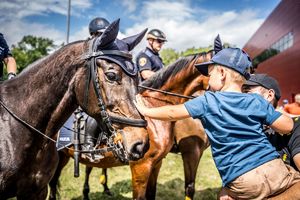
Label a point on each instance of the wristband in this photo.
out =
(11, 75)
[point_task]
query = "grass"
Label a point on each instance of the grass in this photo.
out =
(170, 181)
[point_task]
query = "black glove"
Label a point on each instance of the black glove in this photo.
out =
(11, 75)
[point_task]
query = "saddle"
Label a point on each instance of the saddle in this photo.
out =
(89, 135)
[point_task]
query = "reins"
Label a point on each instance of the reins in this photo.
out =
(167, 93)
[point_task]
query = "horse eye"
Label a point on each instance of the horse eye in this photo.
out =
(111, 76)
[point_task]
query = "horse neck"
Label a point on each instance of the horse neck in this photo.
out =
(44, 95)
(179, 83)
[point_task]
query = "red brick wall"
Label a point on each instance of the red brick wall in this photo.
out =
(285, 66)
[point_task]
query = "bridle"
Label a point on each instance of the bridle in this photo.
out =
(106, 119)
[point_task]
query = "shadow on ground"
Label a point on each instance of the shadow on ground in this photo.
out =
(173, 189)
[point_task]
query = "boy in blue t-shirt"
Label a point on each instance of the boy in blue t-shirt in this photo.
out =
(248, 164)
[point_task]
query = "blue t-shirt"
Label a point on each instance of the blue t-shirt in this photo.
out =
(233, 122)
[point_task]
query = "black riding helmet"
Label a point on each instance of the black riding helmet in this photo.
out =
(157, 35)
(98, 25)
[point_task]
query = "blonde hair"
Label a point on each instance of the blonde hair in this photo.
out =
(234, 75)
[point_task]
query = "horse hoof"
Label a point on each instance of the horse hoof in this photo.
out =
(108, 192)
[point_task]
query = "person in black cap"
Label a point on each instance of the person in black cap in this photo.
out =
(288, 146)
(148, 60)
(248, 164)
(6, 58)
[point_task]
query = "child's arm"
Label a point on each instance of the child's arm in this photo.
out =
(283, 124)
(165, 113)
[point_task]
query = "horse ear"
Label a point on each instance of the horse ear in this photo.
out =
(132, 41)
(217, 44)
(108, 36)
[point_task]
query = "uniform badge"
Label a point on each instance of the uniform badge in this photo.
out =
(142, 61)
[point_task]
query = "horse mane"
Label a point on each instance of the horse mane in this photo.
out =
(42, 59)
(160, 77)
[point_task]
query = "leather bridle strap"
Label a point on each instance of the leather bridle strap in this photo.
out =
(128, 121)
(107, 52)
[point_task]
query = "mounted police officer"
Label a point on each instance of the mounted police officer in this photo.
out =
(148, 60)
(79, 119)
(7, 58)
(96, 27)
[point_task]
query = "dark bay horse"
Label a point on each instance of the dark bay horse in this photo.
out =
(182, 78)
(37, 102)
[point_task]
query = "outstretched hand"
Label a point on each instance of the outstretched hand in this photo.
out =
(139, 104)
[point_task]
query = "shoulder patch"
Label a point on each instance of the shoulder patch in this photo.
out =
(142, 61)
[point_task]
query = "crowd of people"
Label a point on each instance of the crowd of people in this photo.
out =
(256, 147)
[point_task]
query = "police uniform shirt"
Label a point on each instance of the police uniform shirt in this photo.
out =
(149, 60)
(4, 50)
(4, 53)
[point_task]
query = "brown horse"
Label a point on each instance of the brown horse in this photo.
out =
(37, 102)
(182, 78)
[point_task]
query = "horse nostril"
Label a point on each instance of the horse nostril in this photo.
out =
(138, 150)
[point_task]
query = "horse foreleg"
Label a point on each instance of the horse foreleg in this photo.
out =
(191, 149)
(103, 181)
(152, 182)
(86, 186)
(292, 193)
(140, 173)
(63, 160)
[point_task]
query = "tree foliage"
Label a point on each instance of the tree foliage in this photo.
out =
(170, 55)
(30, 49)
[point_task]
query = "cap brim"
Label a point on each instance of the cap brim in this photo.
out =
(203, 67)
(251, 83)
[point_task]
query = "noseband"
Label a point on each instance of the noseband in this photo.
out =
(106, 123)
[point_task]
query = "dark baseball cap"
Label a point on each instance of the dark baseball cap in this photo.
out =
(233, 58)
(265, 81)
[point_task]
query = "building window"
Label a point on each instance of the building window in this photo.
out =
(282, 44)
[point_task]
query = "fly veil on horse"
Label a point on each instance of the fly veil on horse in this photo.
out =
(37, 102)
(180, 77)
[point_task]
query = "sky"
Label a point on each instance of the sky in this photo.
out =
(186, 23)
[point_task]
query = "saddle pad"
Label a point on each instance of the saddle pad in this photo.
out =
(65, 134)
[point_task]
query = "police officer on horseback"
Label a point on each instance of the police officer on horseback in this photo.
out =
(148, 60)
(7, 58)
(96, 27)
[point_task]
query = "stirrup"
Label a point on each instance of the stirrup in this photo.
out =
(92, 157)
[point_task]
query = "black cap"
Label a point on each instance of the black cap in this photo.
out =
(265, 81)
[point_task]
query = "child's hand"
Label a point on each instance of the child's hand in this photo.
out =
(223, 195)
(139, 104)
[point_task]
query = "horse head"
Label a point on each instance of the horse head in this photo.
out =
(117, 85)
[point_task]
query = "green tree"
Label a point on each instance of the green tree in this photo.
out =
(30, 49)
(194, 50)
(169, 56)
